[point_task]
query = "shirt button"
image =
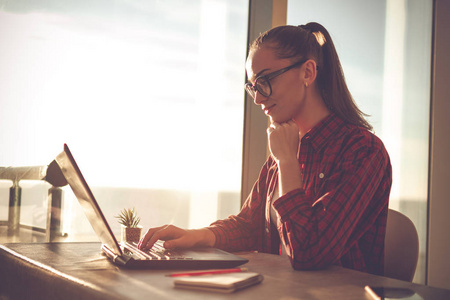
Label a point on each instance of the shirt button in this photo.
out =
(321, 175)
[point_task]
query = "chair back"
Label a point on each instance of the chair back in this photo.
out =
(401, 250)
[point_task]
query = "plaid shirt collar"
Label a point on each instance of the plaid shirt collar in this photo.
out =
(325, 130)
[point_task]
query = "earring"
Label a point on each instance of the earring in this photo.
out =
(306, 84)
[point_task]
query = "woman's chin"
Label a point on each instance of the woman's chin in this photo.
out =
(278, 119)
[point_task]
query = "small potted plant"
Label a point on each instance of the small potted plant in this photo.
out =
(130, 228)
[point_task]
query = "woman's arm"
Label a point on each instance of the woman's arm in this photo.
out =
(240, 232)
(245, 231)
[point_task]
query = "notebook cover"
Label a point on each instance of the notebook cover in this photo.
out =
(223, 283)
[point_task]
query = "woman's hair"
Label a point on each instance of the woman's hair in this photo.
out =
(313, 41)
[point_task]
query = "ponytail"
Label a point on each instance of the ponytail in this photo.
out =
(313, 41)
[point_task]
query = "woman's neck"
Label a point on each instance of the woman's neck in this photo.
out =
(316, 112)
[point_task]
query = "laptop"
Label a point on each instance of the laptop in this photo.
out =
(128, 255)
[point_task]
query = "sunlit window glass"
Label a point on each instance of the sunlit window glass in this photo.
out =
(147, 94)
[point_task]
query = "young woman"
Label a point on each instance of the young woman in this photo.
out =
(322, 195)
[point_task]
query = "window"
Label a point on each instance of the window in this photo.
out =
(147, 94)
(385, 51)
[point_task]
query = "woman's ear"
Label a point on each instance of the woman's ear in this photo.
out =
(310, 72)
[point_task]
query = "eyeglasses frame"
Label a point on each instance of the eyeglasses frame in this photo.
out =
(252, 88)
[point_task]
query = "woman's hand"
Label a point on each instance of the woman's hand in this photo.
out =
(176, 237)
(283, 141)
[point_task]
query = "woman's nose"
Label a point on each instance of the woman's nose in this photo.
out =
(259, 98)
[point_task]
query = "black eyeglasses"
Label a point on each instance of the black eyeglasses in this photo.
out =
(262, 83)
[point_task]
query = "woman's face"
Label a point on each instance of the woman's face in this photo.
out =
(287, 100)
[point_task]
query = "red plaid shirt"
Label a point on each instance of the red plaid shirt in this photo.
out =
(338, 217)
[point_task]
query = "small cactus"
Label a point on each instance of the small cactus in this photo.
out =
(128, 218)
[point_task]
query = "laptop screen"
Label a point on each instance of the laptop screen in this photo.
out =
(84, 195)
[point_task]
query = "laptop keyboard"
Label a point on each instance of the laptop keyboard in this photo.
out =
(158, 252)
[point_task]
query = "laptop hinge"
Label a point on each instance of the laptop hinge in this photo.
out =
(109, 252)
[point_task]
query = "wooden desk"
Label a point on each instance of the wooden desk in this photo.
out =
(78, 271)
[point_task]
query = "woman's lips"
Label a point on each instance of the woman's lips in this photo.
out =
(268, 109)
